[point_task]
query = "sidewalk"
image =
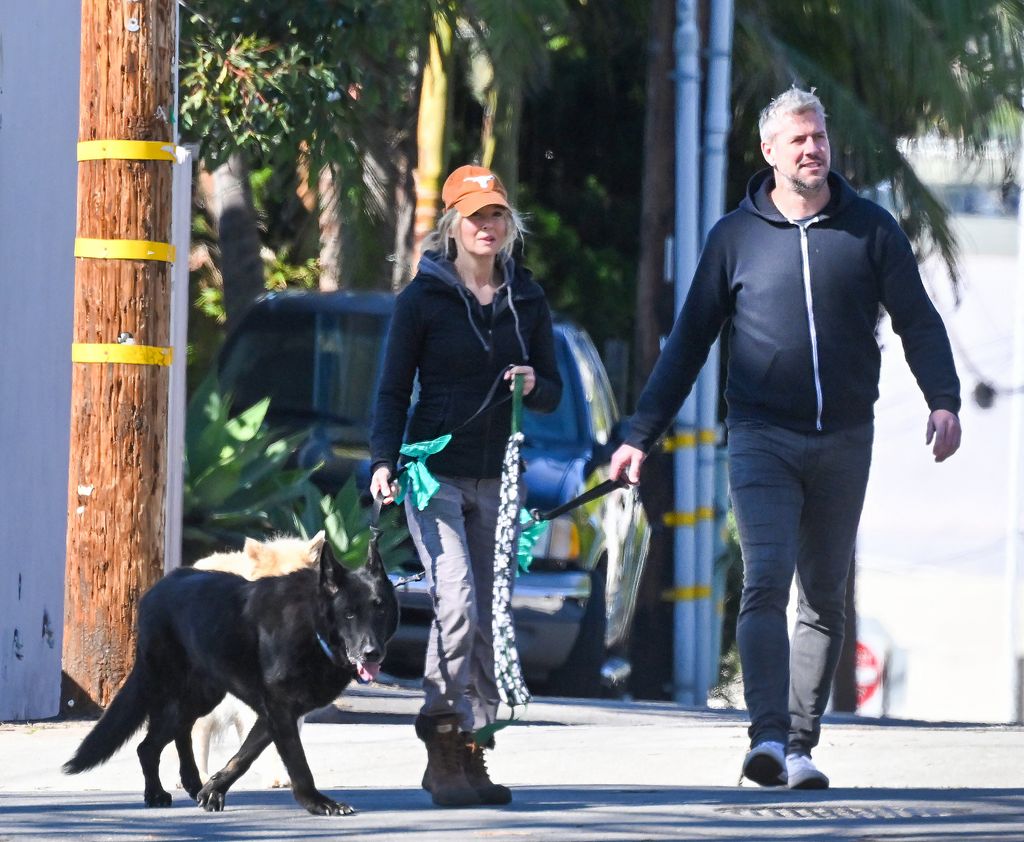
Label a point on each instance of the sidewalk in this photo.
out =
(580, 771)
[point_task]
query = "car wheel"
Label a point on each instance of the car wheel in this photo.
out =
(581, 673)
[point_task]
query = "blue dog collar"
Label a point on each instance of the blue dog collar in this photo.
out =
(325, 647)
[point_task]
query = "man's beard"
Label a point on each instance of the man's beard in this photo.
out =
(806, 186)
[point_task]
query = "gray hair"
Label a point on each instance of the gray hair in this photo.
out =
(438, 239)
(793, 101)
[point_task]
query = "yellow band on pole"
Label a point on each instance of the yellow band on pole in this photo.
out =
(126, 150)
(680, 441)
(687, 518)
(691, 438)
(687, 594)
(124, 249)
(679, 519)
(97, 352)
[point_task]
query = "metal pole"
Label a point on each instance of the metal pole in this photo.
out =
(181, 224)
(1013, 494)
(716, 133)
(687, 147)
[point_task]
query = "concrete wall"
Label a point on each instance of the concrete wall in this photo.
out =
(39, 56)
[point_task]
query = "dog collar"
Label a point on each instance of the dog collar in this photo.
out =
(325, 647)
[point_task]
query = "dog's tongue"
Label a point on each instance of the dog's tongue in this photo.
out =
(367, 672)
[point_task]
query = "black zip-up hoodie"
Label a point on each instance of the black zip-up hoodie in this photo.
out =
(458, 348)
(802, 301)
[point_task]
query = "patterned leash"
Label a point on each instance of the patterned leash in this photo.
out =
(508, 670)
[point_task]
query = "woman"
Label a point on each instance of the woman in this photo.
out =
(470, 314)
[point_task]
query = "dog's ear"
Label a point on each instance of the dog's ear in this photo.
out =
(316, 546)
(252, 548)
(332, 572)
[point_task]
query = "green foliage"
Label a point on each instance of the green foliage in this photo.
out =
(347, 524)
(236, 481)
(581, 167)
(238, 485)
(268, 78)
(586, 280)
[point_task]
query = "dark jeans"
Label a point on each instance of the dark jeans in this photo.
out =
(797, 499)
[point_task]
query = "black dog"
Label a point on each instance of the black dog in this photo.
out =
(284, 645)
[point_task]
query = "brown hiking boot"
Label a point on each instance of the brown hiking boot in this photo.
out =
(476, 773)
(444, 777)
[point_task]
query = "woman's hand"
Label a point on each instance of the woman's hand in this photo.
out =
(529, 377)
(382, 486)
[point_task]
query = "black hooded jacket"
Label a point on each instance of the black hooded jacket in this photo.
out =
(802, 300)
(440, 332)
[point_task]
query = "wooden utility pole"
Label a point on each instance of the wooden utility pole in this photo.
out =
(120, 373)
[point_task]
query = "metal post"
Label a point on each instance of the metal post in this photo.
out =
(716, 132)
(181, 224)
(687, 160)
(1013, 495)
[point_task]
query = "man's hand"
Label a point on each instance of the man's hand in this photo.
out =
(944, 428)
(629, 458)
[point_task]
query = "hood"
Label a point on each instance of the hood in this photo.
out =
(438, 271)
(758, 202)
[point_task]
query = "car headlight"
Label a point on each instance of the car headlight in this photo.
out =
(560, 541)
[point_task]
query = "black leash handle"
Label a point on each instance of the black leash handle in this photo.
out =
(597, 491)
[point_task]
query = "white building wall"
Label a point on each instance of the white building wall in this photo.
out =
(39, 57)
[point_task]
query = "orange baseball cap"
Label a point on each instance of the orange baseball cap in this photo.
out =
(470, 188)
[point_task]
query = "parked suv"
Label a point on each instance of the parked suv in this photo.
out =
(318, 357)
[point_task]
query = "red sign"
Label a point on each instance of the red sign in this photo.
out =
(869, 673)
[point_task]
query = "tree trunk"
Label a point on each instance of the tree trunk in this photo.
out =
(431, 129)
(652, 658)
(234, 216)
(119, 388)
(403, 267)
(654, 306)
(500, 135)
(330, 230)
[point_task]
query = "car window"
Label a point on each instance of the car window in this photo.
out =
(272, 359)
(596, 388)
(322, 367)
(348, 365)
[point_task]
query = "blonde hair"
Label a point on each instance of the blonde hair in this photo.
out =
(443, 236)
(793, 101)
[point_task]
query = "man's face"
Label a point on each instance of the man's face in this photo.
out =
(799, 152)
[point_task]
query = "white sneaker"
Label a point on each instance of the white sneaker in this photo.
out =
(765, 764)
(803, 774)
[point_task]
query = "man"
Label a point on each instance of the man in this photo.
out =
(799, 272)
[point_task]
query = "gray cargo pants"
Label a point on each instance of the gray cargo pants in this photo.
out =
(797, 499)
(454, 536)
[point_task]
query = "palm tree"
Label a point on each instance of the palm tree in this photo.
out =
(506, 45)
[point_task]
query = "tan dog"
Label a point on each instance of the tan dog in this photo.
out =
(257, 559)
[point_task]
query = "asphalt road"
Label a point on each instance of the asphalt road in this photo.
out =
(589, 771)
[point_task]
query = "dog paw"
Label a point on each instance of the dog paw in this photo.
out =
(211, 800)
(321, 805)
(157, 798)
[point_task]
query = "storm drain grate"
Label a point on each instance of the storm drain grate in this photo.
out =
(841, 811)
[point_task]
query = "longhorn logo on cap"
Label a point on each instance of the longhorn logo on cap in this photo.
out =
(482, 180)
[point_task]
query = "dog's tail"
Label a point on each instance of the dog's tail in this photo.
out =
(124, 716)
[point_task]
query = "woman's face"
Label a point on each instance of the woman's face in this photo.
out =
(483, 233)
